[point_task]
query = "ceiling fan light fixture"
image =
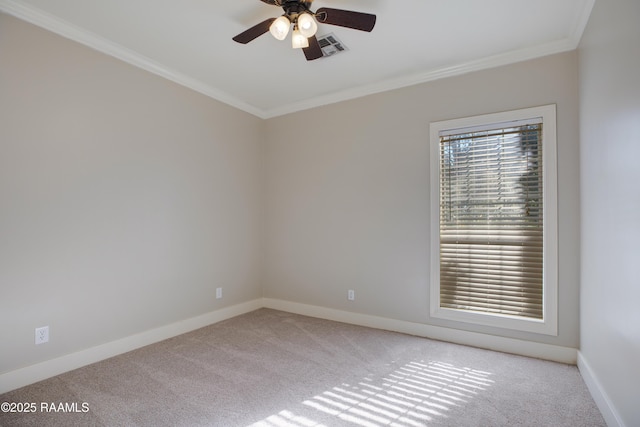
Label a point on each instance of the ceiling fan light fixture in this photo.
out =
(297, 14)
(307, 25)
(280, 28)
(298, 41)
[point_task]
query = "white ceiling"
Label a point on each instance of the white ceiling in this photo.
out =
(189, 42)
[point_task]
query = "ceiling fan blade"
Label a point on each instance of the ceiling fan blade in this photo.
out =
(254, 32)
(346, 18)
(313, 51)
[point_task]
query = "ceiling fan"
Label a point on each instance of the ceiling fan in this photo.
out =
(305, 24)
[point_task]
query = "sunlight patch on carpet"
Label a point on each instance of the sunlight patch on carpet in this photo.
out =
(287, 419)
(413, 395)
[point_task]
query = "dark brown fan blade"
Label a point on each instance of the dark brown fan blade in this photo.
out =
(346, 18)
(254, 32)
(271, 2)
(313, 51)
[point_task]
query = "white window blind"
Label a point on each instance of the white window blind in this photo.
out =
(494, 220)
(491, 219)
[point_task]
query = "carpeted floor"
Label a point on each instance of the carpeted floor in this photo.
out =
(269, 368)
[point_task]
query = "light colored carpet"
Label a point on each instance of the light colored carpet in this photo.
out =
(271, 369)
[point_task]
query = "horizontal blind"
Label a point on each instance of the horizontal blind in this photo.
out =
(491, 220)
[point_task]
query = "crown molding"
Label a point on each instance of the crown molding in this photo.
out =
(581, 23)
(65, 29)
(565, 45)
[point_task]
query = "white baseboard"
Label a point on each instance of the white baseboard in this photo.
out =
(28, 375)
(507, 345)
(47, 369)
(601, 398)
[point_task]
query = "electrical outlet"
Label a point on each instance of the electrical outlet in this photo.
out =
(351, 295)
(42, 335)
(218, 293)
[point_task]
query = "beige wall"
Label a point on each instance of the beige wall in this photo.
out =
(610, 177)
(125, 199)
(348, 193)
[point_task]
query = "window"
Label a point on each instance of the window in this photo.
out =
(494, 220)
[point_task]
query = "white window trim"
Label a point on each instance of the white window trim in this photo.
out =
(549, 324)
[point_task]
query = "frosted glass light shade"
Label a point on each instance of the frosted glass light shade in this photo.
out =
(307, 25)
(298, 40)
(280, 28)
